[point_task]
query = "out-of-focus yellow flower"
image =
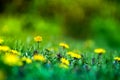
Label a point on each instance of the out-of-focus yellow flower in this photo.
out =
(64, 61)
(2, 75)
(38, 38)
(117, 58)
(63, 66)
(4, 48)
(27, 60)
(100, 51)
(11, 60)
(64, 45)
(1, 41)
(74, 55)
(15, 52)
(38, 57)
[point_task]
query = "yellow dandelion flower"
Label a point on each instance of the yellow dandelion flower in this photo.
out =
(63, 66)
(11, 60)
(15, 52)
(1, 41)
(4, 48)
(64, 61)
(100, 51)
(27, 60)
(38, 38)
(74, 55)
(64, 45)
(38, 57)
(117, 58)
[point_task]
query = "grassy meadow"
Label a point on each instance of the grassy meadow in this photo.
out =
(59, 40)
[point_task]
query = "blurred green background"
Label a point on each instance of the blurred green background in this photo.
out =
(98, 20)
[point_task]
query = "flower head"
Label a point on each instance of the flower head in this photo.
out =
(100, 51)
(74, 55)
(27, 60)
(38, 57)
(4, 48)
(117, 58)
(11, 60)
(64, 61)
(64, 45)
(38, 38)
(15, 52)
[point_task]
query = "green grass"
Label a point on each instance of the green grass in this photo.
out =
(86, 68)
